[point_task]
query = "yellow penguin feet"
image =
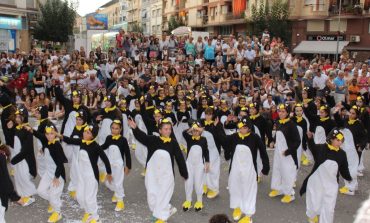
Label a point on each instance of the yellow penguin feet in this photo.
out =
(120, 206)
(72, 194)
(245, 219)
(274, 193)
(287, 199)
(313, 220)
(346, 190)
(259, 179)
(237, 214)
(11, 172)
(186, 205)
(54, 217)
(133, 147)
(198, 206)
(114, 199)
(50, 209)
(211, 194)
(205, 189)
(27, 201)
(159, 221)
(85, 218)
(102, 177)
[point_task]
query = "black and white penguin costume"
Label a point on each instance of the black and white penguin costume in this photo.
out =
(356, 138)
(41, 124)
(284, 169)
(302, 126)
(7, 191)
(119, 156)
(127, 132)
(321, 186)
(197, 156)
(69, 121)
(183, 117)
(74, 168)
(212, 178)
(159, 178)
(141, 152)
(243, 150)
(54, 169)
(108, 115)
(24, 158)
(8, 109)
(87, 187)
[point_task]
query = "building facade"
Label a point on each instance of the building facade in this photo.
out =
(17, 20)
(113, 10)
(319, 20)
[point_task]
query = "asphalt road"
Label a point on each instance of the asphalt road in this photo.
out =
(137, 211)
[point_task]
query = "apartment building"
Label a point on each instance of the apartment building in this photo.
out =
(17, 20)
(316, 24)
(113, 10)
(134, 14)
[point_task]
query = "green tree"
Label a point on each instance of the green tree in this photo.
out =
(274, 18)
(136, 27)
(174, 22)
(56, 21)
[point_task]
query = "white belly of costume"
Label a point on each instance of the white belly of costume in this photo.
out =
(84, 164)
(213, 175)
(159, 183)
(322, 190)
(353, 160)
(320, 136)
(300, 149)
(104, 130)
(195, 166)
(243, 181)
(141, 152)
(70, 124)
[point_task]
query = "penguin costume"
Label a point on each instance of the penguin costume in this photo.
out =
(356, 139)
(304, 156)
(322, 184)
(70, 107)
(7, 191)
(24, 161)
(127, 133)
(323, 124)
(41, 113)
(8, 110)
(197, 163)
(159, 178)
(119, 156)
(77, 133)
(87, 187)
(183, 117)
(212, 178)
(52, 181)
(243, 148)
(285, 165)
(226, 118)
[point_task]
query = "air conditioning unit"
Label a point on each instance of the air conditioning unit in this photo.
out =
(354, 39)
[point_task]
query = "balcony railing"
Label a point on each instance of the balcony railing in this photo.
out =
(357, 9)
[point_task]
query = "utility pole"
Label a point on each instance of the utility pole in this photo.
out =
(337, 51)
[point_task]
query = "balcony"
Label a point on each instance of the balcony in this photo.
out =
(348, 10)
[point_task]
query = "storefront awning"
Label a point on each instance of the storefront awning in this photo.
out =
(320, 47)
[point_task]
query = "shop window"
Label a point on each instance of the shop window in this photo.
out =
(315, 26)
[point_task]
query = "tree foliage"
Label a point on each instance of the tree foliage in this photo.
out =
(56, 21)
(274, 17)
(136, 27)
(174, 22)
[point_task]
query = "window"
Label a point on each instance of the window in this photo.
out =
(334, 25)
(153, 13)
(225, 30)
(315, 26)
(369, 27)
(224, 9)
(8, 2)
(310, 2)
(153, 29)
(30, 3)
(158, 12)
(158, 28)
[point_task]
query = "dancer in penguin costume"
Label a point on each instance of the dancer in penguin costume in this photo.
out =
(365, 119)
(41, 114)
(52, 181)
(168, 113)
(87, 187)
(106, 115)
(183, 117)
(356, 139)
(81, 118)
(127, 133)
(119, 156)
(70, 109)
(197, 162)
(322, 184)
(301, 122)
(212, 178)
(7, 191)
(159, 178)
(227, 119)
(261, 124)
(8, 110)
(24, 158)
(242, 148)
(310, 115)
(284, 169)
(323, 124)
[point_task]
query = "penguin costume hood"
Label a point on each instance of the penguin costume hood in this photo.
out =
(309, 91)
(4, 99)
(82, 114)
(111, 99)
(245, 122)
(23, 113)
(77, 93)
(43, 109)
(93, 128)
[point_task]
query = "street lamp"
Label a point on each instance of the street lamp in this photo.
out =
(337, 51)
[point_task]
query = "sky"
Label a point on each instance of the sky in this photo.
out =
(87, 6)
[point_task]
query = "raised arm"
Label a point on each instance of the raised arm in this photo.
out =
(60, 97)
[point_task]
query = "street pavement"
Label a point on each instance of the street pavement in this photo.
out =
(137, 211)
